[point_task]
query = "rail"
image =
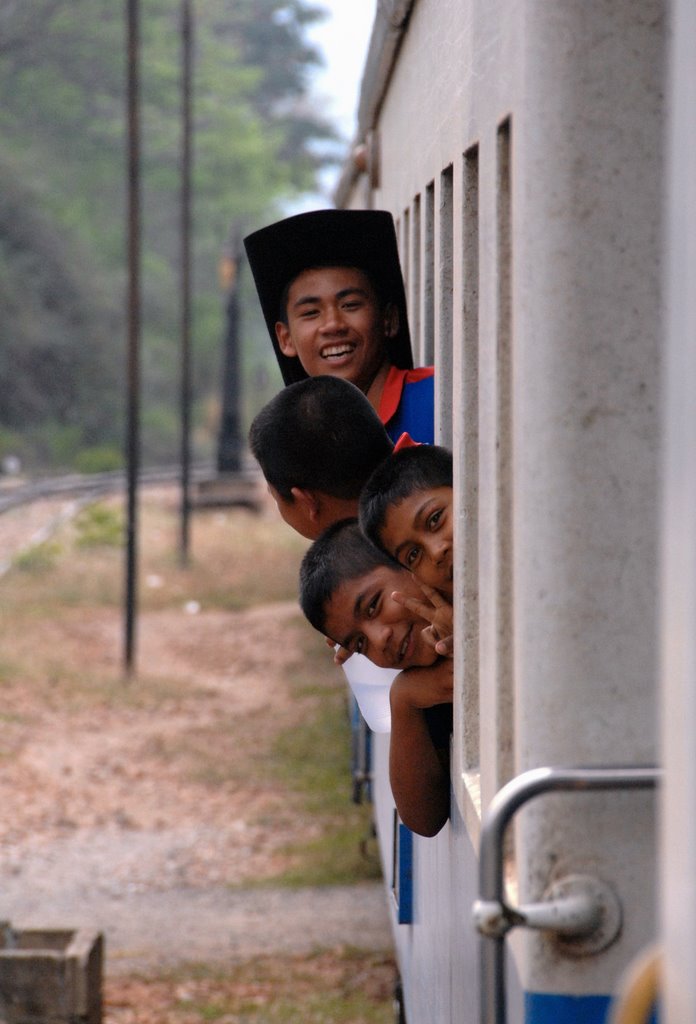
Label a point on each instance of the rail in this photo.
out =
(492, 914)
(98, 483)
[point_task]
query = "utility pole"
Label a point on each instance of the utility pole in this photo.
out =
(235, 482)
(229, 459)
(186, 161)
(133, 347)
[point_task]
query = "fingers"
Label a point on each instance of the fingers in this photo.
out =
(445, 647)
(434, 596)
(341, 656)
(415, 605)
(431, 636)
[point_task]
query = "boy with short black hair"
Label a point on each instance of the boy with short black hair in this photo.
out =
(317, 442)
(346, 592)
(406, 510)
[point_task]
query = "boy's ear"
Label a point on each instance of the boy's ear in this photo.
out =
(287, 346)
(391, 320)
(308, 502)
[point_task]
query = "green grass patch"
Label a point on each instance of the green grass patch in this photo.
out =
(238, 559)
(99, 525)
(346, 853)
(315, 756)
(39, 558)
(313, 759)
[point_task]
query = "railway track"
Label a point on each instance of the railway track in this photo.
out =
(86, 485)
(41, 506)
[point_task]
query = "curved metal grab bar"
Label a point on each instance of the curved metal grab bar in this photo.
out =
(502, 809)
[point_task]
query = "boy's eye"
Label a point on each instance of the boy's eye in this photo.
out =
(306, 314)
(371, 609)
(352, 304)
(411, 557)
(434, 519)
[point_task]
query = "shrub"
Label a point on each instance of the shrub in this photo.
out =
(99, 459)
(99, 526)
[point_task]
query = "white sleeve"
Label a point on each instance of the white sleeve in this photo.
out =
(370, 685)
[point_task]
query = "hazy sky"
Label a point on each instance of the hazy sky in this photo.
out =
(344, 38)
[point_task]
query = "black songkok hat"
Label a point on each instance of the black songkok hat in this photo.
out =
(365, 239)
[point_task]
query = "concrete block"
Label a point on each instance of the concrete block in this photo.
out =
(50, 976)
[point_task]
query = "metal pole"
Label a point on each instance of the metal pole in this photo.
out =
(230, 439)
(186, 31)
(133, 348)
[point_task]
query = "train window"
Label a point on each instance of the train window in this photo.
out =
(443, 355)
(428, 342)
(483, 478)
(414, 309)
(466, 754)
(504, 559)
(404, 240)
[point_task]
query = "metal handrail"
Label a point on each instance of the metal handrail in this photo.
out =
(502, 809)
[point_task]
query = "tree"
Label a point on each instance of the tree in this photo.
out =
(257, 142)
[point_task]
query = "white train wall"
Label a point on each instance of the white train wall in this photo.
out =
(678, 608)
(522, 149)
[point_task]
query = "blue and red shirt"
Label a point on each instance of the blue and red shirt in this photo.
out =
(408, 404)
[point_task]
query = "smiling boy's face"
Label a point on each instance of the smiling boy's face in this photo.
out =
(335, 325)
(362, 616)
(418, 533)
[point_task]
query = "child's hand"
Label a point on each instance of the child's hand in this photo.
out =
(423, 686)
(341, 654)
(445, 647)
(438, 612)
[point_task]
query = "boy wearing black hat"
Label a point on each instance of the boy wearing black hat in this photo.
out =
(333, 298)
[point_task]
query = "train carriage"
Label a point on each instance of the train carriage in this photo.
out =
(523, 149)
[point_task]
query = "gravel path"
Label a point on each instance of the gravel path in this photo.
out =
(147, 930)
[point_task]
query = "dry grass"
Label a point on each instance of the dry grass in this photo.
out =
(332, 987)
(234, 726)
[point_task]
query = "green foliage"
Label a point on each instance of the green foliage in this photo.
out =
(39, 558)
(61, 442)
(11, 443)
(256, 144)
(99, 526)
(56, 352)
(101, 458)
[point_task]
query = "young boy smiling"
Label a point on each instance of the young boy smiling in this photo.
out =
(406, 509)
(333, 298)
(346, 593)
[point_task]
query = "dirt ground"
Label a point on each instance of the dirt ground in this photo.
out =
(101, 828)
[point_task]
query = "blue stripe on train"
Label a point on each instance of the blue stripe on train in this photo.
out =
(547, 1008)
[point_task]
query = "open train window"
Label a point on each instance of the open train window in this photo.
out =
(465, 427)
(482, 443)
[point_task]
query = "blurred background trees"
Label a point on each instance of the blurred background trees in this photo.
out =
(258, 143)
